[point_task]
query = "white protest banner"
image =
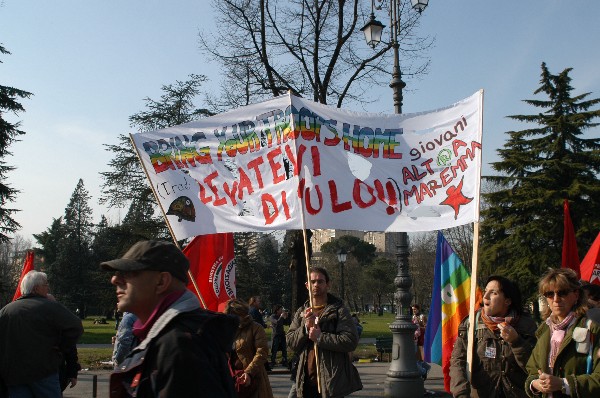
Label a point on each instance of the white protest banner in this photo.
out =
(257, 168)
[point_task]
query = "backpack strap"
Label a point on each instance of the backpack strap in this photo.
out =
(589, 357)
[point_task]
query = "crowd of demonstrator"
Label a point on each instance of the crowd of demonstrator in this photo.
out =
(167, 346)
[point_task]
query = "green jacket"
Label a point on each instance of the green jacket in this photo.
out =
(338, 339)
(502, 369)
(569, 363)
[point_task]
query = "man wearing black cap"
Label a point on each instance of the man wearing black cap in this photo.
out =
(182, 350)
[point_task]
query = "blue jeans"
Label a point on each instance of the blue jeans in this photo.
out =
(48, 387)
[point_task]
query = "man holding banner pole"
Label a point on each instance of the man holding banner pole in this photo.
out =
(325, 327)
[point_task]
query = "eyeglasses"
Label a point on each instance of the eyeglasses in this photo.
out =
(559, 293)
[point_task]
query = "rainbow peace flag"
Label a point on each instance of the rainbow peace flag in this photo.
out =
(449, 305)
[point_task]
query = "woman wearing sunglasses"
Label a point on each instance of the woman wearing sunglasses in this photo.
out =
(563, 362)
(504, 336)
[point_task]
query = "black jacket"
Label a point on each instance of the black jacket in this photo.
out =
(184, 355)
(34, 332)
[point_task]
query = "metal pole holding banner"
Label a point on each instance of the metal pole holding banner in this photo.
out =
(165, 217)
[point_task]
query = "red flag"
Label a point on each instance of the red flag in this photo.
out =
(212, 266)
(27, 266)
(570, 257)
(590, 266)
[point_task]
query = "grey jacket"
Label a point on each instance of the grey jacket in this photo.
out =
(338, 376)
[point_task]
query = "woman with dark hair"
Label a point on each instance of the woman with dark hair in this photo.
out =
(563, 362)
(504, 339)
(250, 353)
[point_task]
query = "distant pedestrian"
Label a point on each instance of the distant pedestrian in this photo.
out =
(420, 320)
(183, 349)
(255, 308)
(34, 332)
(124, 341)
(278, 319)
(117, 315)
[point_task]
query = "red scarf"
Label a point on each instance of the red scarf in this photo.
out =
(141, 331)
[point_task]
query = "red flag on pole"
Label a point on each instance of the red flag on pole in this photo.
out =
(27, 266)
(590, 266)
(212, 266)
(570, 257)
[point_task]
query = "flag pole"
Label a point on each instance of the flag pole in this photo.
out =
(165, 217)
(475, 257)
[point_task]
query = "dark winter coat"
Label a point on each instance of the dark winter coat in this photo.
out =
(505, 372)
(183, 355)
(34, 332)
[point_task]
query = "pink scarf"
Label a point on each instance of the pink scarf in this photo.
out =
(140, 331)
(558, 334)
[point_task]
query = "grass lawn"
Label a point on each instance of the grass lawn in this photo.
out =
(376, 326)
(97, 333)
(90, 358)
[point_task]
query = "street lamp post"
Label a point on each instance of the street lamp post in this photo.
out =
(342, 255)
(403, 377)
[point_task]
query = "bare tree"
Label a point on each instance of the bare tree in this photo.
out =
(314, 49)
(422, 264)
(12, 257)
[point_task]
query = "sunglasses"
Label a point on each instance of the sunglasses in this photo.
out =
(559, 293)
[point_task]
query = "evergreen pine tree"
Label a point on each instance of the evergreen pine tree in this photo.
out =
(8, 134)
(540, 167)
(107, 245)
(70, 273)
(126, 180)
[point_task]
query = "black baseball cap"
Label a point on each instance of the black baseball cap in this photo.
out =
(153, 255)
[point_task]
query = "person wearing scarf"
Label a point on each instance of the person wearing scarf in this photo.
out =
(563, 363)
(504, 339)
(183, 349)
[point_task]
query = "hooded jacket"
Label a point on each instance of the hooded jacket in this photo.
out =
(497, 365)
(338, 377)
(183, 355)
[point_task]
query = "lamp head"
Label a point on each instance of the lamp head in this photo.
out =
(419, 5)
(342, 254)
(372, 31)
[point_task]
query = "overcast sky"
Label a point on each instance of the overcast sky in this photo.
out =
(91, 64)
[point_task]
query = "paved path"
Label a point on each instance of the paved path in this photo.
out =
(372, 375)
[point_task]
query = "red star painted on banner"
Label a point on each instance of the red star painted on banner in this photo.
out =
(456, 198)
